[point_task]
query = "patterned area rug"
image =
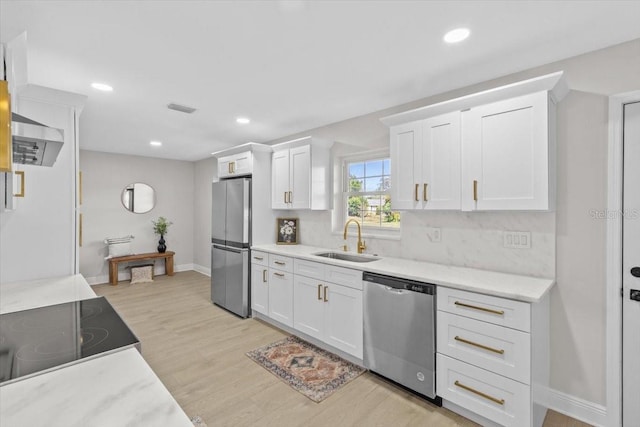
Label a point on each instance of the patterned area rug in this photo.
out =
(312, 371)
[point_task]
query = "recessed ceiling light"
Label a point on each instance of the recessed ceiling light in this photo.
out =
(156, 143)
(457, 35)
(243, 120)
(101, 86)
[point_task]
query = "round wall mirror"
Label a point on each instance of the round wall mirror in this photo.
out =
(138, 197)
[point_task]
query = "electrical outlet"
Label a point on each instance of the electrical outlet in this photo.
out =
(434, 234)
(517, 239)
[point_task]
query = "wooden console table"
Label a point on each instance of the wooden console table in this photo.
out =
(113, 263)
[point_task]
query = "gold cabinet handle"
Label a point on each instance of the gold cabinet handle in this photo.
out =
(21, 175)
(229, 167)
(475, 190)
(424, 192)
(325, 294)
(319, 290)
(80, 230)
(279, 262)
(475, 307)
(416, 193)
(264, 276)
(233, 167)
(278, 274)
(259, 258)
(290, 196)
(479, 393)
(475, 344)
(285, 197)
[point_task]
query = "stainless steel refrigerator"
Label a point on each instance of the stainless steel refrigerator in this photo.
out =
(230, 242)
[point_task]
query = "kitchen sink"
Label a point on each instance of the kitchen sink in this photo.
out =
(347, 257)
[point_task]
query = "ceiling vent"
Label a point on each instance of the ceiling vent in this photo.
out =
(181, 108)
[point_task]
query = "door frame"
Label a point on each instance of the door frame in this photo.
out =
(614, 256)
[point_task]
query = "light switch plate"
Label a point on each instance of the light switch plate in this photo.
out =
(517, 239)
(434, 234)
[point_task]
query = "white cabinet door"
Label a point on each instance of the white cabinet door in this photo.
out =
(260, 288)
(405, 142)
(506, 155)
(308, 306)
(281, 296)
(343, 319)
(280, 180)
(440, 162)
(235, 165)
(300, 177)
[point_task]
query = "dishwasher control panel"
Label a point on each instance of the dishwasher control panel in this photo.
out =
(398, 283)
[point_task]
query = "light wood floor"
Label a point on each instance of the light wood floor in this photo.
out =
(198, 351)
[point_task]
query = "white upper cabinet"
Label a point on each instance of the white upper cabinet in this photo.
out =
(507, 150)
(238, 164)
(426, 163)
(301, 175)
(493, 150)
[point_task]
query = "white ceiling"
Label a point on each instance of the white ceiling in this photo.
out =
(288, 65)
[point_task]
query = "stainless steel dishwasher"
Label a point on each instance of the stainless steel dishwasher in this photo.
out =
(399, 331)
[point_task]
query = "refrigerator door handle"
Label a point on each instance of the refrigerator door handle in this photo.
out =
(228, 249)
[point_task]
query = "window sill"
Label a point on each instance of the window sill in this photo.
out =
(371, 235)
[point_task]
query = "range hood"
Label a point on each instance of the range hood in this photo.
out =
(35, 143)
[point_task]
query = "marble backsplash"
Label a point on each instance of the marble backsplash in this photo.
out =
(468, 239)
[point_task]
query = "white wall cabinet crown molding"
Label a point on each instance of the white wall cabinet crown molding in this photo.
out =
(301, 174)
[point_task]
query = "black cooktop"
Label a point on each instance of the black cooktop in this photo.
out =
(37, 340)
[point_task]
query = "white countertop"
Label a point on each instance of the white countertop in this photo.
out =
(512, 286)
(19, 296)
(115, 390)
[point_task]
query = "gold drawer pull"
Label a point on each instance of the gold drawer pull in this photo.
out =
(475, 190)
(319, 290)
(21, 175)
(259, 258)
(416, 192)
(290, 196)
(424, 193)
(264, 276)
(325, 294)
(479, 393)
(484, 347)
(278, 274)
(475, 307)
(279, 262)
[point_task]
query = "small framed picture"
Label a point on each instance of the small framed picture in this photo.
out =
(287, 231)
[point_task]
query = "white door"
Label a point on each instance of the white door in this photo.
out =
(260, 289)
(280, 180)
(505, 151)
(405, 164)
(441, 162)
(343, 319)
(281, 296)
(300, 177)
(308, 308)
(631, 268)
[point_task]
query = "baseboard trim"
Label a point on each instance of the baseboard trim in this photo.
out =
(201, 269)
(572, 406)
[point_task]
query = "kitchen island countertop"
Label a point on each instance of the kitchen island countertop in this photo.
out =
(512, 286)
(115, 390)
(19, 296)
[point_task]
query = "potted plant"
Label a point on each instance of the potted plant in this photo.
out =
(161, 227)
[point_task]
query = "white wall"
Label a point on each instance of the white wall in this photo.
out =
(205, 171)
(104, 176)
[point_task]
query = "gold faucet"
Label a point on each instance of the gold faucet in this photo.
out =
(361, 245)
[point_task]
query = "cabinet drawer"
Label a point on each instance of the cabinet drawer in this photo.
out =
(495, 348)
(499, 311)
(343, 276)
(311, 269)
(279, 262)
(260, 258)
(502, 400)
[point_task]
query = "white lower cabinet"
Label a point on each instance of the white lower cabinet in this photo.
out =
(309, 306)
(343, 319)
(281, 296)
(485, 355)
(260, 288)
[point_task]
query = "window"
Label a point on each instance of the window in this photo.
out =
(367, 197)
